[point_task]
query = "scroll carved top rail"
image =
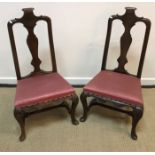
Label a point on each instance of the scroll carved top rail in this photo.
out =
(29, 21)
(129, 19)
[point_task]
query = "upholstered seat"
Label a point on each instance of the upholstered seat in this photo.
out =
(116, 86)
(41, 88)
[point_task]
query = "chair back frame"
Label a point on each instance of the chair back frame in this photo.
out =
(29, 21)
(129, 19)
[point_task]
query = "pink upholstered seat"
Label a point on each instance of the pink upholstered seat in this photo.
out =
(41, 88)
(116, 86)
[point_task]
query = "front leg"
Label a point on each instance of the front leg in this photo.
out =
(20, 117)
(136, 116)
(75, 101)
(85, 107)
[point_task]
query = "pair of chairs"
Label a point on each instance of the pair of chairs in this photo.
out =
(115, 89)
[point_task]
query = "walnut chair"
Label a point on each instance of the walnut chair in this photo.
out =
(117, 89)
(40, 90)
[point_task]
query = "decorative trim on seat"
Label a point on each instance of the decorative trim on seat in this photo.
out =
(121, 103)
(46, 102)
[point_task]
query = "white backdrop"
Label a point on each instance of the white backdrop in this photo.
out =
(79, 31)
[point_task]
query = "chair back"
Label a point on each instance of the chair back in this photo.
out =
(29, 21)
(129, 19)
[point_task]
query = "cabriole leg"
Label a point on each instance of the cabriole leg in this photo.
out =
(85, 107)
(75, 101)
(136, 116)
(20, 117)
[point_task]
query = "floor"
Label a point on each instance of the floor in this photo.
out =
(105, 130)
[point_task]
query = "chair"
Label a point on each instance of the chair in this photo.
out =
(117, 89)
(40, 90)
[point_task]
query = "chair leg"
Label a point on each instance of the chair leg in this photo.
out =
(85, 107)
(20, 117)
(75, 101)
(136, 116)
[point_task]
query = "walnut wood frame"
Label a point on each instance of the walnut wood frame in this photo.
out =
(29, 21)
(135, 111)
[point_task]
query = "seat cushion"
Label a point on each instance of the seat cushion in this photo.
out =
(41, 88)
(116, 86)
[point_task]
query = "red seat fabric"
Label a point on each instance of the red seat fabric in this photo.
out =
(116, 86)
(41, 88)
